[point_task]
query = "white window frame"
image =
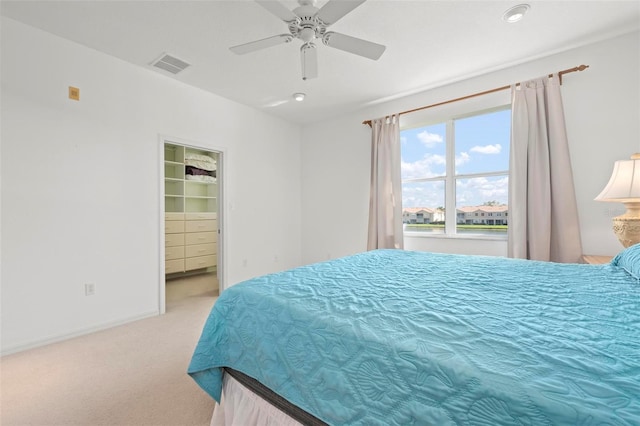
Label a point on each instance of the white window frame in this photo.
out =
(448, 115)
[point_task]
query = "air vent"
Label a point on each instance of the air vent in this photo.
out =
(170, 63)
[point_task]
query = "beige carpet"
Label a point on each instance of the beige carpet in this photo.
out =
(134, 375)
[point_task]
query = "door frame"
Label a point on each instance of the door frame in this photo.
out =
(222, 208)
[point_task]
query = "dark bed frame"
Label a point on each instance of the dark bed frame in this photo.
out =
(274, 399)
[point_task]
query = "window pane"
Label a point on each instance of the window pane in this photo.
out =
(482, 205)
(482, 142)
(423, 207)
(423, 152)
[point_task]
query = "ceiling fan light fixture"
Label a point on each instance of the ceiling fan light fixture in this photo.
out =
(516, 13)
(307, 34)
(299, 96)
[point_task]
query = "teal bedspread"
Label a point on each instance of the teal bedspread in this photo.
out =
(399, 337)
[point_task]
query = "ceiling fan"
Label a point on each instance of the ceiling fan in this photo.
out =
(309, 23)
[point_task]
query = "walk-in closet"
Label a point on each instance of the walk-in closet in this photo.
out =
(191, 220)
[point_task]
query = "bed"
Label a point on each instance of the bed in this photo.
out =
(401, 337)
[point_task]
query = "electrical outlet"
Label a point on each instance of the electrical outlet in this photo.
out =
(89, 289)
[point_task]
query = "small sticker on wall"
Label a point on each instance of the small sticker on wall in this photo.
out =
(74, 93)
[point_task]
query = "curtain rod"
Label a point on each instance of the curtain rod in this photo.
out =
(486, 92)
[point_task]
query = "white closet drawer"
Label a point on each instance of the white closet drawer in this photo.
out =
(200, 250)
(201, 238)
(171, 253)
(174, 216)
(200, 262)
(173, 226)
(171, 266)
(172, 240)
(201, 225)
(201, 216)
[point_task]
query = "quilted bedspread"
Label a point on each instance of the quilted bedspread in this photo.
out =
(399, 337)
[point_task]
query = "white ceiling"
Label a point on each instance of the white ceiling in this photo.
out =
(429, 43)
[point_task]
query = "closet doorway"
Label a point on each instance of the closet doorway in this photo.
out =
(191, 221)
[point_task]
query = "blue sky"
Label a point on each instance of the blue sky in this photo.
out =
(482, 145)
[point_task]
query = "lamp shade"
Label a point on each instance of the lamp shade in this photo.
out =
(624, 185)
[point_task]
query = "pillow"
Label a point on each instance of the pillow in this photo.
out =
(204, 165)
(199, 157)
(629, 260)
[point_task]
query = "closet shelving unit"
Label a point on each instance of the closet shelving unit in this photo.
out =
(191, 206)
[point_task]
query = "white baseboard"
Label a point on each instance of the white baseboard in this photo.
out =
(59, 338)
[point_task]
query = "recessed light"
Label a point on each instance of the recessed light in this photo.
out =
(515, 13)
(299, 96)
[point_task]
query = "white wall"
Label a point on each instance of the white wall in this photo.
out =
(602, 110)
(80, 190)
(80, 185)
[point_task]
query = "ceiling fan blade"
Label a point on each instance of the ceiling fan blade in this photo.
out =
(261, 44)
(309, 57)
(278, 9)
(353, 45)
(333, 10)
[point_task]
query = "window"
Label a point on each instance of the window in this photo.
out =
(456, 173)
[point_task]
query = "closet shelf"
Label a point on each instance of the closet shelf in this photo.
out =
(199, 182)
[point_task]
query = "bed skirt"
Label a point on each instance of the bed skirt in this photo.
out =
(246, 402)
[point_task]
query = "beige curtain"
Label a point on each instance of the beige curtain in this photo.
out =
(385, 205)
(543, 216)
